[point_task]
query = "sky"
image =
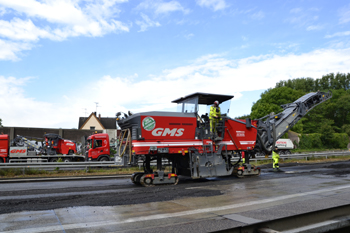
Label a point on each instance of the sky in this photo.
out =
(58, 58)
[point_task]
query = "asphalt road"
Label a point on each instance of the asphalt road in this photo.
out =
(208, 204)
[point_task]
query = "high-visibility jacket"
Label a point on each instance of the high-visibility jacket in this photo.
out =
(275, 157)
(214, 111)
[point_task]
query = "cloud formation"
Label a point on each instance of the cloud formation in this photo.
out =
(212, 73)
(344, 14)
(160, 7)
(58, 19)
(146, 23)
(215, 5)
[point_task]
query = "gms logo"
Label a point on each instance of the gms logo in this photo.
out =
(164, 132)
(14, 151)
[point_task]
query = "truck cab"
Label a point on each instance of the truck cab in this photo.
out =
(4, 147)
(98, 147)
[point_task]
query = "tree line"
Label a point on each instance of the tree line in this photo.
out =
(327, 120)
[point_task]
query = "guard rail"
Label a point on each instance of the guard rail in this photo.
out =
(87, 165)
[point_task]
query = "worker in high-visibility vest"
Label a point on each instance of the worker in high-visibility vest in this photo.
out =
(214, 116)
(275, 157)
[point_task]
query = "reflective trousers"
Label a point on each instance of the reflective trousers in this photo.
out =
(213, 123)
(275, 162)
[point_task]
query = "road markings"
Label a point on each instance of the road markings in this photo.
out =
(172, 215)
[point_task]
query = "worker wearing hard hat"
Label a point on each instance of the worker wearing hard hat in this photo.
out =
(214, 116)
(275, 157)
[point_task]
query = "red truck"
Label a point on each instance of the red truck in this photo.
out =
(23, 150)
(98, 147)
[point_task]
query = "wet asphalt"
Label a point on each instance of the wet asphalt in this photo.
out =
(200, 205)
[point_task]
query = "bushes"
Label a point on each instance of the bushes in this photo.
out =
(322, 141)
(308, 141)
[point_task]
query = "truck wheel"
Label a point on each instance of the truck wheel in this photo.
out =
(288, 152)
(104, 159)
(53, 160)
(67, 160)
(1, 160)
(70, 152)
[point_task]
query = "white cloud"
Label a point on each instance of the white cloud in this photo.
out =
(314, 28)
(215, 5)
(18, 29)
(189, 36)
(344, 14)
(346, 33)
(146, 23)
(211, 73)
(304, 18)
(296, 10)
(59, 19)
(159, 7)
(9, 50)
(258, 15)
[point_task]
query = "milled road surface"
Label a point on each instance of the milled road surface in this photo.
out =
(191, 206)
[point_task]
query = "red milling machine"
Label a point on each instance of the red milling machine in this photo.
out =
(184, 140)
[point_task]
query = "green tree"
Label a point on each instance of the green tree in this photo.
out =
(327, 135)
(346, 129)
(272, 99)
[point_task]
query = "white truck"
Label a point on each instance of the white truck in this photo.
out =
(284, 146)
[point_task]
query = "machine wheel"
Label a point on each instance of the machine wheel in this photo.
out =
(146, 181)
(67, 160)
(104, 159)
(240, 174)
(288, 152)
(53, 160)
(136, 177)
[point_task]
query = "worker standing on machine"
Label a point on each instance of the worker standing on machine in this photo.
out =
(214, 117)
(275, 157)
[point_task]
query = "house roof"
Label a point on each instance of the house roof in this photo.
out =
(106, 122)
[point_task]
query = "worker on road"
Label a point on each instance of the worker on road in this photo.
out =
(214, 116)
(275, 157)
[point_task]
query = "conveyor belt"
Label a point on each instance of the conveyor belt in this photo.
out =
(273, 127)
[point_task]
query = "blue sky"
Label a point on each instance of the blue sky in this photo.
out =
(59, 57)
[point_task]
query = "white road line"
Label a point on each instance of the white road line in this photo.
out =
(172, 215)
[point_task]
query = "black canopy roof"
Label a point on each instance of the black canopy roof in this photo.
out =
(204, 98)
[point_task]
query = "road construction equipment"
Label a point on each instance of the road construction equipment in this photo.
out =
(184, 138)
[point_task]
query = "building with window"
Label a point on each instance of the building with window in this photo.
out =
(94, 122)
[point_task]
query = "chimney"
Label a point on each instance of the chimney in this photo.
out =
(99, 116)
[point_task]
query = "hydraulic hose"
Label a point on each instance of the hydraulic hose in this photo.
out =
(121, 142)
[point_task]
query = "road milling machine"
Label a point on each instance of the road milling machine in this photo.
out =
(184, 140)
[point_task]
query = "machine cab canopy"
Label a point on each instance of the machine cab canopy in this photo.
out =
(200, 102)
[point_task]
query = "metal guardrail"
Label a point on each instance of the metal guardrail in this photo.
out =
(59, 164)
(87, 165)
(306, 156)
